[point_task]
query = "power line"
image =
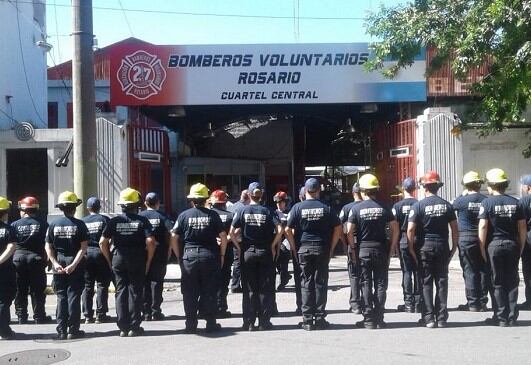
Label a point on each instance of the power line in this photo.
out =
(125, 17)
(44, 124)
(227, 15)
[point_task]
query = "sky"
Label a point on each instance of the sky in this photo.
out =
(252, 21)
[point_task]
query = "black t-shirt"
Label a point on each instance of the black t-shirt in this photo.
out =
(128, 231)
(432, 214)
(257, 224)
(467, 209)
(282, 217)
(65, 235)
(95, 224)
(370, 218)
(503, 212)
(315, 219)
(345, 211)
(31, 233)
(198, 226)
(525, 202)
(401, 212)
(226, 218)
(7, 235)
(160, 224)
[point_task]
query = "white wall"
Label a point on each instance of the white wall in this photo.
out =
(23, 104)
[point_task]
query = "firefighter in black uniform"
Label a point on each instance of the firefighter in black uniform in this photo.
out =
(475, 271)
(30, 262)
(218, 199)
(157, 271)
(525, 202)
(502, 236)
(202, 258)
(369, 219)
(432, 215)
(411, 280)
(96, 269)
(133, 250)
(284, 249)
(235, 285)
(261, 233)
(66, 246)
(320, 231)
(7, 271)
(353, 268)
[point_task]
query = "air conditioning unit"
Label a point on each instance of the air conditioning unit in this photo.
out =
(438, 86)
(149, 157)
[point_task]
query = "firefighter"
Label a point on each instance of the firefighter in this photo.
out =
(218, 198)
(432, 215)
(96, 269)
(502, 237)
(411, 282)
(475, 274)
(7, 271)
(369, 220)
(133, 250)
(66, 246)
(261, 232)
(202, 258)
(320, 230)
(284, 249)
(154, 285)
(355, 303)
(525, 202)
(30, 262)
(235, 286)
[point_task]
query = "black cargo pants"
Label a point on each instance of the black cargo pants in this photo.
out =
(374, 264)
(314, 258)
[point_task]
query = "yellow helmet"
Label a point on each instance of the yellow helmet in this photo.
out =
(68, 197)
(496, 176)
(472, 177)
(4, 203)
(198, 191)
(129, 196)
(369, 182)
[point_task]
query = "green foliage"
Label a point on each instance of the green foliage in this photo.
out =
(472, 32)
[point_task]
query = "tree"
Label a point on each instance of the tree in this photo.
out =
(466, 33)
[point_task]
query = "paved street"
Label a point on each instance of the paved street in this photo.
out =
(466, 341)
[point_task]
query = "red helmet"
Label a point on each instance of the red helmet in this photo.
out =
(280, 196)
(28, 202)
(218, 197)
(431, 177)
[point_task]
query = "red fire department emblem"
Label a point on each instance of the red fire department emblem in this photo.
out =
(141, 75)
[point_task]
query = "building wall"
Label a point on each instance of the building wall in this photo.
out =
(20, 60)
(60, 92)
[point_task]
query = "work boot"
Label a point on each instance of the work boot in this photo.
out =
(355, 310)
(8, 335)
(136, 332)
(89, 320)
(442, 324)
(158, 316)
(431, 324)
(223, 314)
(102, 318)
(22, 320)
(76, 334)
(43, 320)
(147, 317)
(123, 333)
(212, 327)
(321, 324)
(61, 336)
(307, 326)
(265, 326)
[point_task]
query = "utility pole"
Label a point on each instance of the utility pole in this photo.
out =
(85, 169)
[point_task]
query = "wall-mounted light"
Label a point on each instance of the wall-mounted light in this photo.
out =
(45, 46)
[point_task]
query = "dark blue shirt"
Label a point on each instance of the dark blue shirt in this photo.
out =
(161, 226)
(467, 209)
(432, 215)
(370, 218)
(65, 235)
(226, 218)
(503, 212)
(31, 233)
(128, 231)
(95, 224)
(401, 212)
(257, 224)
(314, 219)
(345, 211)
(525, 202)
(198, 226)
(7, 236)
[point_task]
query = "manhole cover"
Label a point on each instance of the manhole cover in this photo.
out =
(35, 357)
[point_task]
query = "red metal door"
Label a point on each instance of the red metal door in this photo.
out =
(395, 157)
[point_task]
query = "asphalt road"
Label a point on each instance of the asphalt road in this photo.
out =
(466, 341)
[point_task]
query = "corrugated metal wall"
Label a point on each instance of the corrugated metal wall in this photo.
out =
(440, 150)
(112, 163)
